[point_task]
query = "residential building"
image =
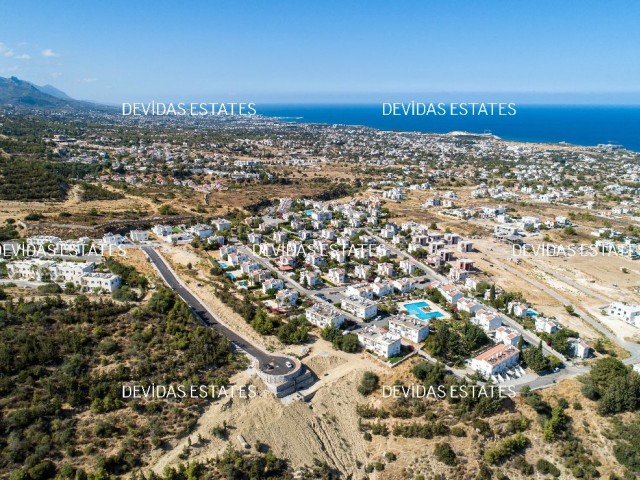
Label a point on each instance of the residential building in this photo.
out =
(322, 315)
(272, 284)
(629, 313)
(138, 236)
(362, 271)
(236, 259)
(200, 230)
(113, 239)
(162, 230)
(409, 327)
(407, 267)
(361, 290)
(404, 285)
(579, 348)
(100, 282)
(381, 289)
(384, 344)
(386, 269)
(546, 325)
(487, 320)
(496, 360)
(360, 307)
(286, 297)
(508, 336)
(310, 277)
(221, 224)
(337, 276)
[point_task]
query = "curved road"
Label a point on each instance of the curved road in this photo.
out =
(272, 364)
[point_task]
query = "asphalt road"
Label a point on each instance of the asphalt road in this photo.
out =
(272, 364)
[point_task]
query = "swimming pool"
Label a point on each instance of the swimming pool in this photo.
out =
(308, 212)
(222, 264)
(532, 313)
(231, 275)
(417, 309)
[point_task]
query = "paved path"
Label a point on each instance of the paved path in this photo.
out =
(210, 319)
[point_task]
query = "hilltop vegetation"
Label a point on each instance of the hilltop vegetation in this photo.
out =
(29, 181)
(62, 368)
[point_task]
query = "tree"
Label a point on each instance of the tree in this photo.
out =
(556, 425)
(349, 343)
(444, 453)
(606, 369)
(429, 373)
(368, 383)
(535, 359)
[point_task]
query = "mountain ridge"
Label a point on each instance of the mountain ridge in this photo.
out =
(24, 94)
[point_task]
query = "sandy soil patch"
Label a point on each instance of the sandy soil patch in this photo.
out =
(326, 428)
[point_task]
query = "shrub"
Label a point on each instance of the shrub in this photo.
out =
(506, 448)
(445, 454)
(368, 383)
(523, 466)
(50, 288)
(546, 467)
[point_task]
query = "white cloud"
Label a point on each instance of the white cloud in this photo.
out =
(5, 51)
(47, 52)
(56, 74)
(89, 80)
(13, 69)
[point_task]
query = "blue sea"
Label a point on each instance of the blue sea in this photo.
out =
(575, 124)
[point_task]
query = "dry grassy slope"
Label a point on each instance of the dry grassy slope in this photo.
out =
(325, 429)
(415, 456)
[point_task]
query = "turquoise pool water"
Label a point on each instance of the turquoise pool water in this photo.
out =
(308, 212)
(532, 313)
(231, 275)
(416, 309)
(222, 264)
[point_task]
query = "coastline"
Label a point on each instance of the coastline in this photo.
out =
(589, 126)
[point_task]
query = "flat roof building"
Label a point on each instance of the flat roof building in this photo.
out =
(409, 327)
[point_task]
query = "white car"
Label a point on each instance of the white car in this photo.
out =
(289, 364)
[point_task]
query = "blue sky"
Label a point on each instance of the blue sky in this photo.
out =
(331, 51)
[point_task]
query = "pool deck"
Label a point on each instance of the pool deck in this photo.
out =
(432, 308)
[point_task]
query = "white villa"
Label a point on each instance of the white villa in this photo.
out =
(360, 307)
(409, 327)
(628, 313)
(496, 360)
(322, 315)
(80, 274)
(385, 344)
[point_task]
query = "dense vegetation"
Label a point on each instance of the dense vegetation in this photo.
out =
(293, 330)
(232, 464)
(615, 387)
(345, 342)
(26, 180)
(454, 342)
(63, 366)
(97, 192)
